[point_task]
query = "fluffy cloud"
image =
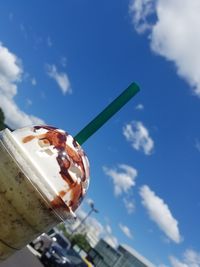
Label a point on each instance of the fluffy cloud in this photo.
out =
(107, 235)
(63, 61)
(108, 229)
(10, 75)
(191, 258)
(33, 81)
(129, 205)
(140, 10)
(177, 263)
(160, 213)
(61, 78)
(138, 135)
(112, 241)
(123, 178)
(126, 230)
(139, 107)
(174, 31)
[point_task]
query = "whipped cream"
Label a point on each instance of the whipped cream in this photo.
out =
(54, 162)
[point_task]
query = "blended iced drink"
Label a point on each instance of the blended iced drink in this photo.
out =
(44, 174)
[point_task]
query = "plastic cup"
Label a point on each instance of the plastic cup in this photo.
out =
(24, 212)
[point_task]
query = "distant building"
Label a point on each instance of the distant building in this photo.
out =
(131, 258)
(103, 255)
(92, 235)
(91, 232)
(109, 256)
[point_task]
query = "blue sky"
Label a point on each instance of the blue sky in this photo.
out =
(62, 62)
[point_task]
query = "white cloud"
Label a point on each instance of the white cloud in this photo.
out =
(139, 107)
(33, 81)
(10, 71)
(123, 179)
(140, 10)
(109, 237)
(129, 205)
(191, 258)
(112, 241)
(174, 34)
(10, 75)
(160, 213)
(108, 229)
(126, 230)
(176, 262)
(63, 61)
(138, 135)
(61, 78)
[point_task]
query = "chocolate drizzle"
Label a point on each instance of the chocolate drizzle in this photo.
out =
(58, 203)
(67, 157)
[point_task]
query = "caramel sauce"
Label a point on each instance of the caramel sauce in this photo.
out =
(28, 138)
(77, 195)
(62, 193)
(58, 203)
(66, 156)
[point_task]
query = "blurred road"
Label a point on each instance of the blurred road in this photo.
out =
(23, 258)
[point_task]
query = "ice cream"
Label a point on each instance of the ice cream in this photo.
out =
(44, 176)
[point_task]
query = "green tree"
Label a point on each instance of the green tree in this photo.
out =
(81, 241)
(61, 227)
(2, 119)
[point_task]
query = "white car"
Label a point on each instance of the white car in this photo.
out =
(42, 242)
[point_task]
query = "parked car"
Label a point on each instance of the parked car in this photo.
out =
(61, 240)
(75, 259)
(42, 242)
(55, 256)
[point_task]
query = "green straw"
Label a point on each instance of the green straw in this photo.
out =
(107, 113)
